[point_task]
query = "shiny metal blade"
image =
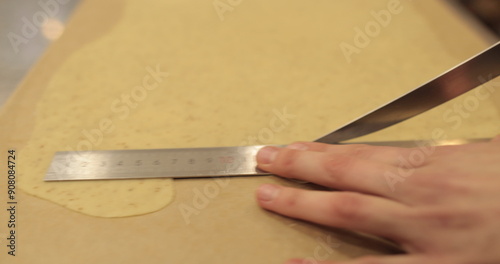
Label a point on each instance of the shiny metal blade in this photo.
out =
(153, 163)
(466, 76)
(178, 163)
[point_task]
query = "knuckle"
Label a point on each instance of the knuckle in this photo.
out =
(360, 150)
(446, 184)
(348, 207)
(338, 166)
(454, 187)
(291, 198)
(449, 218)
(286, 162)
(367, 151)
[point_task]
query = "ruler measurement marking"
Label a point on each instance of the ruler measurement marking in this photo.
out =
(172, 163)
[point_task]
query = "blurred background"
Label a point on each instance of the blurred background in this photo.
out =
(42, 21)
(487, 12)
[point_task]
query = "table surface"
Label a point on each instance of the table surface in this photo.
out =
(419, 43)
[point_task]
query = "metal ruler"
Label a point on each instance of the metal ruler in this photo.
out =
(178, 163)
(240, 161)
(154, 163)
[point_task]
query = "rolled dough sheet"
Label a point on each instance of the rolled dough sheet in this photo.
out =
(192, 80)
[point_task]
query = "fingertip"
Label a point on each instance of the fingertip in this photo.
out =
(267, 192)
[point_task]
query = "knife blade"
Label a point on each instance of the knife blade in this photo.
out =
(464, 77)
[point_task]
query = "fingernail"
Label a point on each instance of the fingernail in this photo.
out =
(267, 192)
(298, 146)
(267, 155)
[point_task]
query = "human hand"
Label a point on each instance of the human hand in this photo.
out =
(441, 204)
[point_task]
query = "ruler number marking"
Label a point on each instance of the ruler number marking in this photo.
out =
(182, 163)
(226, 159)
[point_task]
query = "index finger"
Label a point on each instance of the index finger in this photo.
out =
(333, 170)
